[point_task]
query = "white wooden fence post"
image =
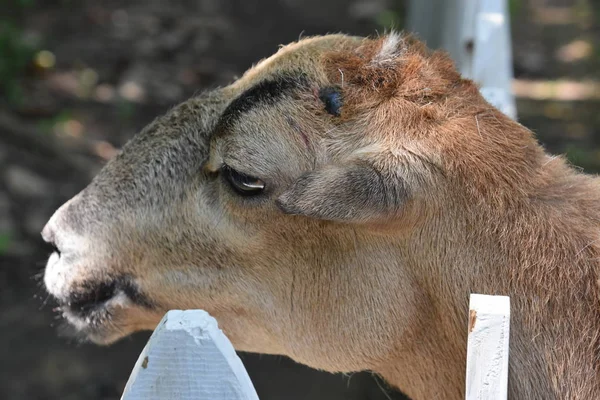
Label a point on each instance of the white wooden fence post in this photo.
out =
(487, 348)
(476, 33)
(188, 357)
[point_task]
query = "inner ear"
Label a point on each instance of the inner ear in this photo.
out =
(354, 193)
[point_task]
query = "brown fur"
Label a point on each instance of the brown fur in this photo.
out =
(374, 228)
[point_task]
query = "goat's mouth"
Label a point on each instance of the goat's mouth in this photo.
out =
(97, 312)
(90, 314)
(89, 302)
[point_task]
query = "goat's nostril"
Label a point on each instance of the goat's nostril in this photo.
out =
(49, 237)
(55, 249)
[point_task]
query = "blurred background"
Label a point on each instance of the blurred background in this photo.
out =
(79, 78)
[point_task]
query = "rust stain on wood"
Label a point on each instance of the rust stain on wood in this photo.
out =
(472, 319)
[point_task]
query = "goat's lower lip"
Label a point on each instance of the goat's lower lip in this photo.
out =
(83, 312)
(94, 298)
(94, 321)
(100, 311)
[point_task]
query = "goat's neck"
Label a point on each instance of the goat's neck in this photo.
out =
(548, 267)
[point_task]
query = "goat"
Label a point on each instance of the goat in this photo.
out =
(337, 204)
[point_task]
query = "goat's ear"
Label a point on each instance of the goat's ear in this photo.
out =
(354, 193)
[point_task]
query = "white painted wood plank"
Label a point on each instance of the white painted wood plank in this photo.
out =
(476, 34)
(188, 357)
(487, 348)
(492, 61)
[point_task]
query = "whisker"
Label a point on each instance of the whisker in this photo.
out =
(44, 302)
(385, 393)
(37, 276)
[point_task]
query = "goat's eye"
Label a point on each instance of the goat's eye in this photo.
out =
(243, 184)
(332, 98)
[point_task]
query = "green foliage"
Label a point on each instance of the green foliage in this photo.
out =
(15, 55)
(586, 158)
(25, 3)
(125, 110)
(393, 17)
(15, 52)
(47, 125)
(390, 19)
(514, 6)
(5, 240)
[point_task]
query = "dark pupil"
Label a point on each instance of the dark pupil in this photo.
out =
(243, 184)
(331, 97)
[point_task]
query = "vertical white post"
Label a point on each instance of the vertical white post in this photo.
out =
(188, 357)
(476, 34)
(487, 348)
(492, 61)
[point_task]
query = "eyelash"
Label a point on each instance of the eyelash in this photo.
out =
(242, 184)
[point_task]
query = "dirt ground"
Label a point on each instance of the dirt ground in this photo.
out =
(79, 78)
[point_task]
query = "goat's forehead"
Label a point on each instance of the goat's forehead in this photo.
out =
(303, 55)
(260, 95)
